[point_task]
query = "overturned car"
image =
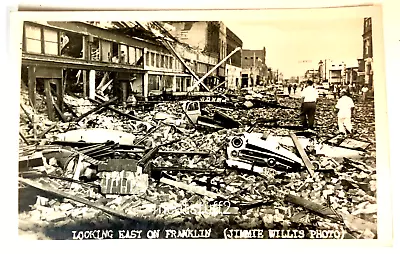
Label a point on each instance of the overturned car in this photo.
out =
(255, 151)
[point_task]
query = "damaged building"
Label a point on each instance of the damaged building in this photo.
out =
(120, 58)
(112, 135)
(255, 71)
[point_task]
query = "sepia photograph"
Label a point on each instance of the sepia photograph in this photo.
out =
(241, 125)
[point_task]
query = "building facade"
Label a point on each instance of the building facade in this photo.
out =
(123, 58)
(368, 53)
(336, 71)
(216, 40)
(254, 67)
(313, 75)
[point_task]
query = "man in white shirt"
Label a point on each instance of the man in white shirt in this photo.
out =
(309, 97)
(345, 108)
(364, 91)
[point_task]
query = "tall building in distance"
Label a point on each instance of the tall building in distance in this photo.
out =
(215, 39)
(365, 68)
(255, 71)
(234, 64)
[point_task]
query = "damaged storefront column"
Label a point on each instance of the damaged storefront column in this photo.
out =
(61, 86)
(49, 101)
(85, 83)
(32, 84)
(51, 76)
(92, 84)
(124, 85)
(123, 80)
(146, 87)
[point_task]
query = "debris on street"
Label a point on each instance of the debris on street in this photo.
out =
(107, 164)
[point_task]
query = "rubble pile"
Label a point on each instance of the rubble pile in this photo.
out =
(181, 177)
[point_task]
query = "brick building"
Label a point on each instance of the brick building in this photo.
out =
(366, 65)
(254, 67)
(214, 39)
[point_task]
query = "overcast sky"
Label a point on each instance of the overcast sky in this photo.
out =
(293, 46)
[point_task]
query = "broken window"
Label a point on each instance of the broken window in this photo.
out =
(50, 42)
(179, 82)
(162, 62)
(148, 59)
(158, 60)
(171, 60)
(153, 59)
(132, 56)
(154, 82)
(124, 52)
(202, 68)
(115, 58)
(186, 84)
(139, 57)
(71, 44)
(167, 82)
(106, 51)
(33, 37)
(193, 106)
(182, 83)
(95, 50)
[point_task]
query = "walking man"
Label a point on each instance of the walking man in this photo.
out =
(345, 110)
(289, 88)
(309, 97)
(364, 91)
(294, 88)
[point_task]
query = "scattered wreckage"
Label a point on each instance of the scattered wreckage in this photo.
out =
(200, 149)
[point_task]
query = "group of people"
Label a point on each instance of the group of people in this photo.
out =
(355, 89)
(344, 108)
(290, 88)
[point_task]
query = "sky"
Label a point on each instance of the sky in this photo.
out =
(294, 46)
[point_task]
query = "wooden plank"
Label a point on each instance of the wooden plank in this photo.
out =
(26, 113)
(103, 81)
(78, 172)
(33, 160)
(195, 189)
(101, 89)
(117, 110)
(23, 138)
(48, 73)
(32, 84)
(303, 154)
(49, 100)
(60, 93)
(171, 49)
(100, 107)
(92, 84)
(124, 85)
(60, 113)
(354, 144)
(85, 83)
(41, 135)
(351, 221)
(103, 208)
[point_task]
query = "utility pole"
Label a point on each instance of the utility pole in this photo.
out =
(277, 75)
(325, 70)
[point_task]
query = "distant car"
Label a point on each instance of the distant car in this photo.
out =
(279, 88)
(322, 90)
(325, 85)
